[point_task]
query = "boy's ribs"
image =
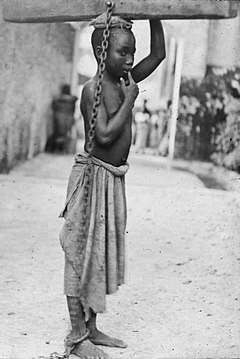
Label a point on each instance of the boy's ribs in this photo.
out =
(81, 10)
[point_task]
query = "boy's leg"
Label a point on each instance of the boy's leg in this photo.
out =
(99, 338)
(84, 349)
(77, 318)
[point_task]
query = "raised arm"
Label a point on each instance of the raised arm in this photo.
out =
(157, 53)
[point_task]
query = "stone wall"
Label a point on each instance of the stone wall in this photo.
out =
(224, 43)
(195, 36)
(35, 60)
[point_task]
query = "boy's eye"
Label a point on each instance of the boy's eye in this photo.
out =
(123, 53)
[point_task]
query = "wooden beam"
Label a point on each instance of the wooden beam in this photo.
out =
(84, 10)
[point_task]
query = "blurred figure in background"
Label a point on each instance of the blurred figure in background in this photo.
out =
(154, 131)
(142, 120)
(64, 136)
(164, 126)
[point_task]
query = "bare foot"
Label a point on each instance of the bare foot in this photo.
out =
(99, 338)
(86, 350)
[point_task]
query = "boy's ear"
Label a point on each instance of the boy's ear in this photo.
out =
(98, 51)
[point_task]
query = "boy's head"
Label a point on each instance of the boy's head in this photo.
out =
(121, 49)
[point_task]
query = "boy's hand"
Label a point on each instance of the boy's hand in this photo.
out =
(130, 89)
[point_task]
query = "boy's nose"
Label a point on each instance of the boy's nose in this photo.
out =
(129, 60)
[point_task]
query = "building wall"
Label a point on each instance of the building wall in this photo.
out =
(35, 60)
(195, 36)
(224, 43)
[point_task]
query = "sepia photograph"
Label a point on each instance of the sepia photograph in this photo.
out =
(120, 179)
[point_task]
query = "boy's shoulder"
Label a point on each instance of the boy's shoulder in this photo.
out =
(110, 93)
(89, 89)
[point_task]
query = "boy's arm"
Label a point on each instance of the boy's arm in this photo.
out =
(108, 128)
(157, 53)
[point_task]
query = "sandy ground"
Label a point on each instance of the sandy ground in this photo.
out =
(181, 297)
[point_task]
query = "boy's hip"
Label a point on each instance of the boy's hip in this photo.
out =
(82, 159)
(102, 175)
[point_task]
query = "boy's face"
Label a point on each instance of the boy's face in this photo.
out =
(120, 56)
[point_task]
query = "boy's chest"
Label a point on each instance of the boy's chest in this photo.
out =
(113, 99)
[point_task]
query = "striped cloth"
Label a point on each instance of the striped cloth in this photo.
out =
(95, 264)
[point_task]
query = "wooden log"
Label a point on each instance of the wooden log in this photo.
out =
(84, 10)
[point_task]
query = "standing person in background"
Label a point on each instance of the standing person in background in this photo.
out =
(63, 138)
(154, 131)
(164, 140)
(142, 119)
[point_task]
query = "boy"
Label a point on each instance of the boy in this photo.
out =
(94, 265)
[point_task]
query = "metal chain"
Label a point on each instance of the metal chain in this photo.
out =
(103, 56)
(93, 121)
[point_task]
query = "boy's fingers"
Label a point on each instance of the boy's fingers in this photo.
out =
(130, 77)
(122, 81)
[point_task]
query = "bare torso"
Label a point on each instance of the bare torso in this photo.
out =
(117, 152)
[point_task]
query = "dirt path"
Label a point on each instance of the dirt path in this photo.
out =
(181, 298)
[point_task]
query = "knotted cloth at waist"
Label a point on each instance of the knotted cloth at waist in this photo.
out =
(83, 159)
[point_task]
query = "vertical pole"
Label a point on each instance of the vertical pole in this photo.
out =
(170, 68)
(175, 98)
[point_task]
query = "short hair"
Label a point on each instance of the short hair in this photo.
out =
(117, 23)
(97, 37)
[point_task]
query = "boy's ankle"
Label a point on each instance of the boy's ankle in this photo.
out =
(91, 325)
(76, 334)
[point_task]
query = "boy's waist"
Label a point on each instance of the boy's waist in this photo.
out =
(118, 171)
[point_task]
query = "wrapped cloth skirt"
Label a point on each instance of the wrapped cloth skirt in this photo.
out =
(95, 261)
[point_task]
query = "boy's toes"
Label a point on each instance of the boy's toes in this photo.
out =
(99, 338)
(117, 343)
(86, 350)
